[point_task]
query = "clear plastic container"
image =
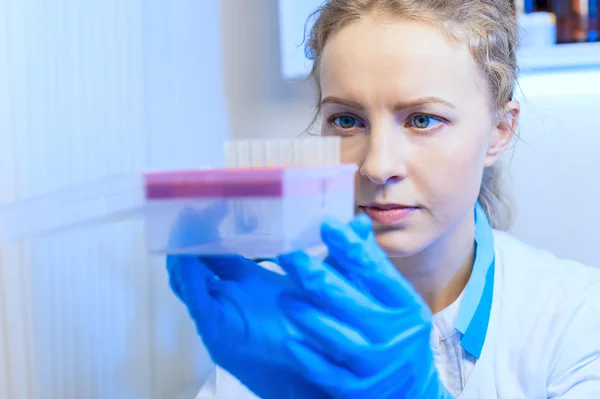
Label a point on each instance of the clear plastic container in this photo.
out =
(259, 212)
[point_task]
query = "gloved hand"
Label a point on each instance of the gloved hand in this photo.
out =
(233, 302)
(364, 332)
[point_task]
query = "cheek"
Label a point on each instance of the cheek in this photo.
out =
(449, 175)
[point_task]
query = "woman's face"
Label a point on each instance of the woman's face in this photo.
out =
(414, 114)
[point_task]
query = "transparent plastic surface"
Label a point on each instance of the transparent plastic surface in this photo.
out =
(289, 218)
(257, 227)
(99, 202)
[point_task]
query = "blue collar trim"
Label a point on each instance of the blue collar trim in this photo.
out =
(474, 313)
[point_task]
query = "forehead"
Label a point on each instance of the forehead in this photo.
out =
(374, 59)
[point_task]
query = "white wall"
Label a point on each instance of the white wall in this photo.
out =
(261, 102)
(555, 166)
(89, 89)
(295, 21)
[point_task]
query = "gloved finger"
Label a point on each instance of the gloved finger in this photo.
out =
(229, 267)
(354, 273)
(323, 286)
(229, 318)
(194, 227)
(190, 227)
(366, 261)
(319, 370)
(350, 274)
(244, 320)
(190, 280)
(338, 341)
(173, 270)
(340, 382)
(362, 226)
(330, 336)
(225, 267)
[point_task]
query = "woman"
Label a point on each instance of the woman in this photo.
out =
(426, 297)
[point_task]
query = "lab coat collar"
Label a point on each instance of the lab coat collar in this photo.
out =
(474, 313)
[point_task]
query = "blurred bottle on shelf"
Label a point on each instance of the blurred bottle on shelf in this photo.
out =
(537, 23)
(576, 20)
(594, 27)
(542, 6)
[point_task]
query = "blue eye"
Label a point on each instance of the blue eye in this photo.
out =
(347, 122)
(424, 121)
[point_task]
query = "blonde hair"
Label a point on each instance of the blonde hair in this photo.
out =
(490, 29)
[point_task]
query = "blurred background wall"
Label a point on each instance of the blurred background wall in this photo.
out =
(262, 101)
(89, 89)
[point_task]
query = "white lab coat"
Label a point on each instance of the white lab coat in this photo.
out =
(531, 322)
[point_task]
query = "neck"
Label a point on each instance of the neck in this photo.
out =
(441, 272)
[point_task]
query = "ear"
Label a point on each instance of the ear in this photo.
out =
(503, 132)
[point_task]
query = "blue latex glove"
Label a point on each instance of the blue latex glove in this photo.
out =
(233, 302)
(364, 331)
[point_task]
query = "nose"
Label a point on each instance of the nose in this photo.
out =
(385, 158)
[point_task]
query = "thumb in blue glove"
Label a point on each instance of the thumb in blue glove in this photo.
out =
(364, 331)
(233, 302)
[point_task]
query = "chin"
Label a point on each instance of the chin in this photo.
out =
(399, 243)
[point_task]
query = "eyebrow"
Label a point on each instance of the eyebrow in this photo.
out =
(398, 107)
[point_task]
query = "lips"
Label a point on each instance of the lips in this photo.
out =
(388, 214)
